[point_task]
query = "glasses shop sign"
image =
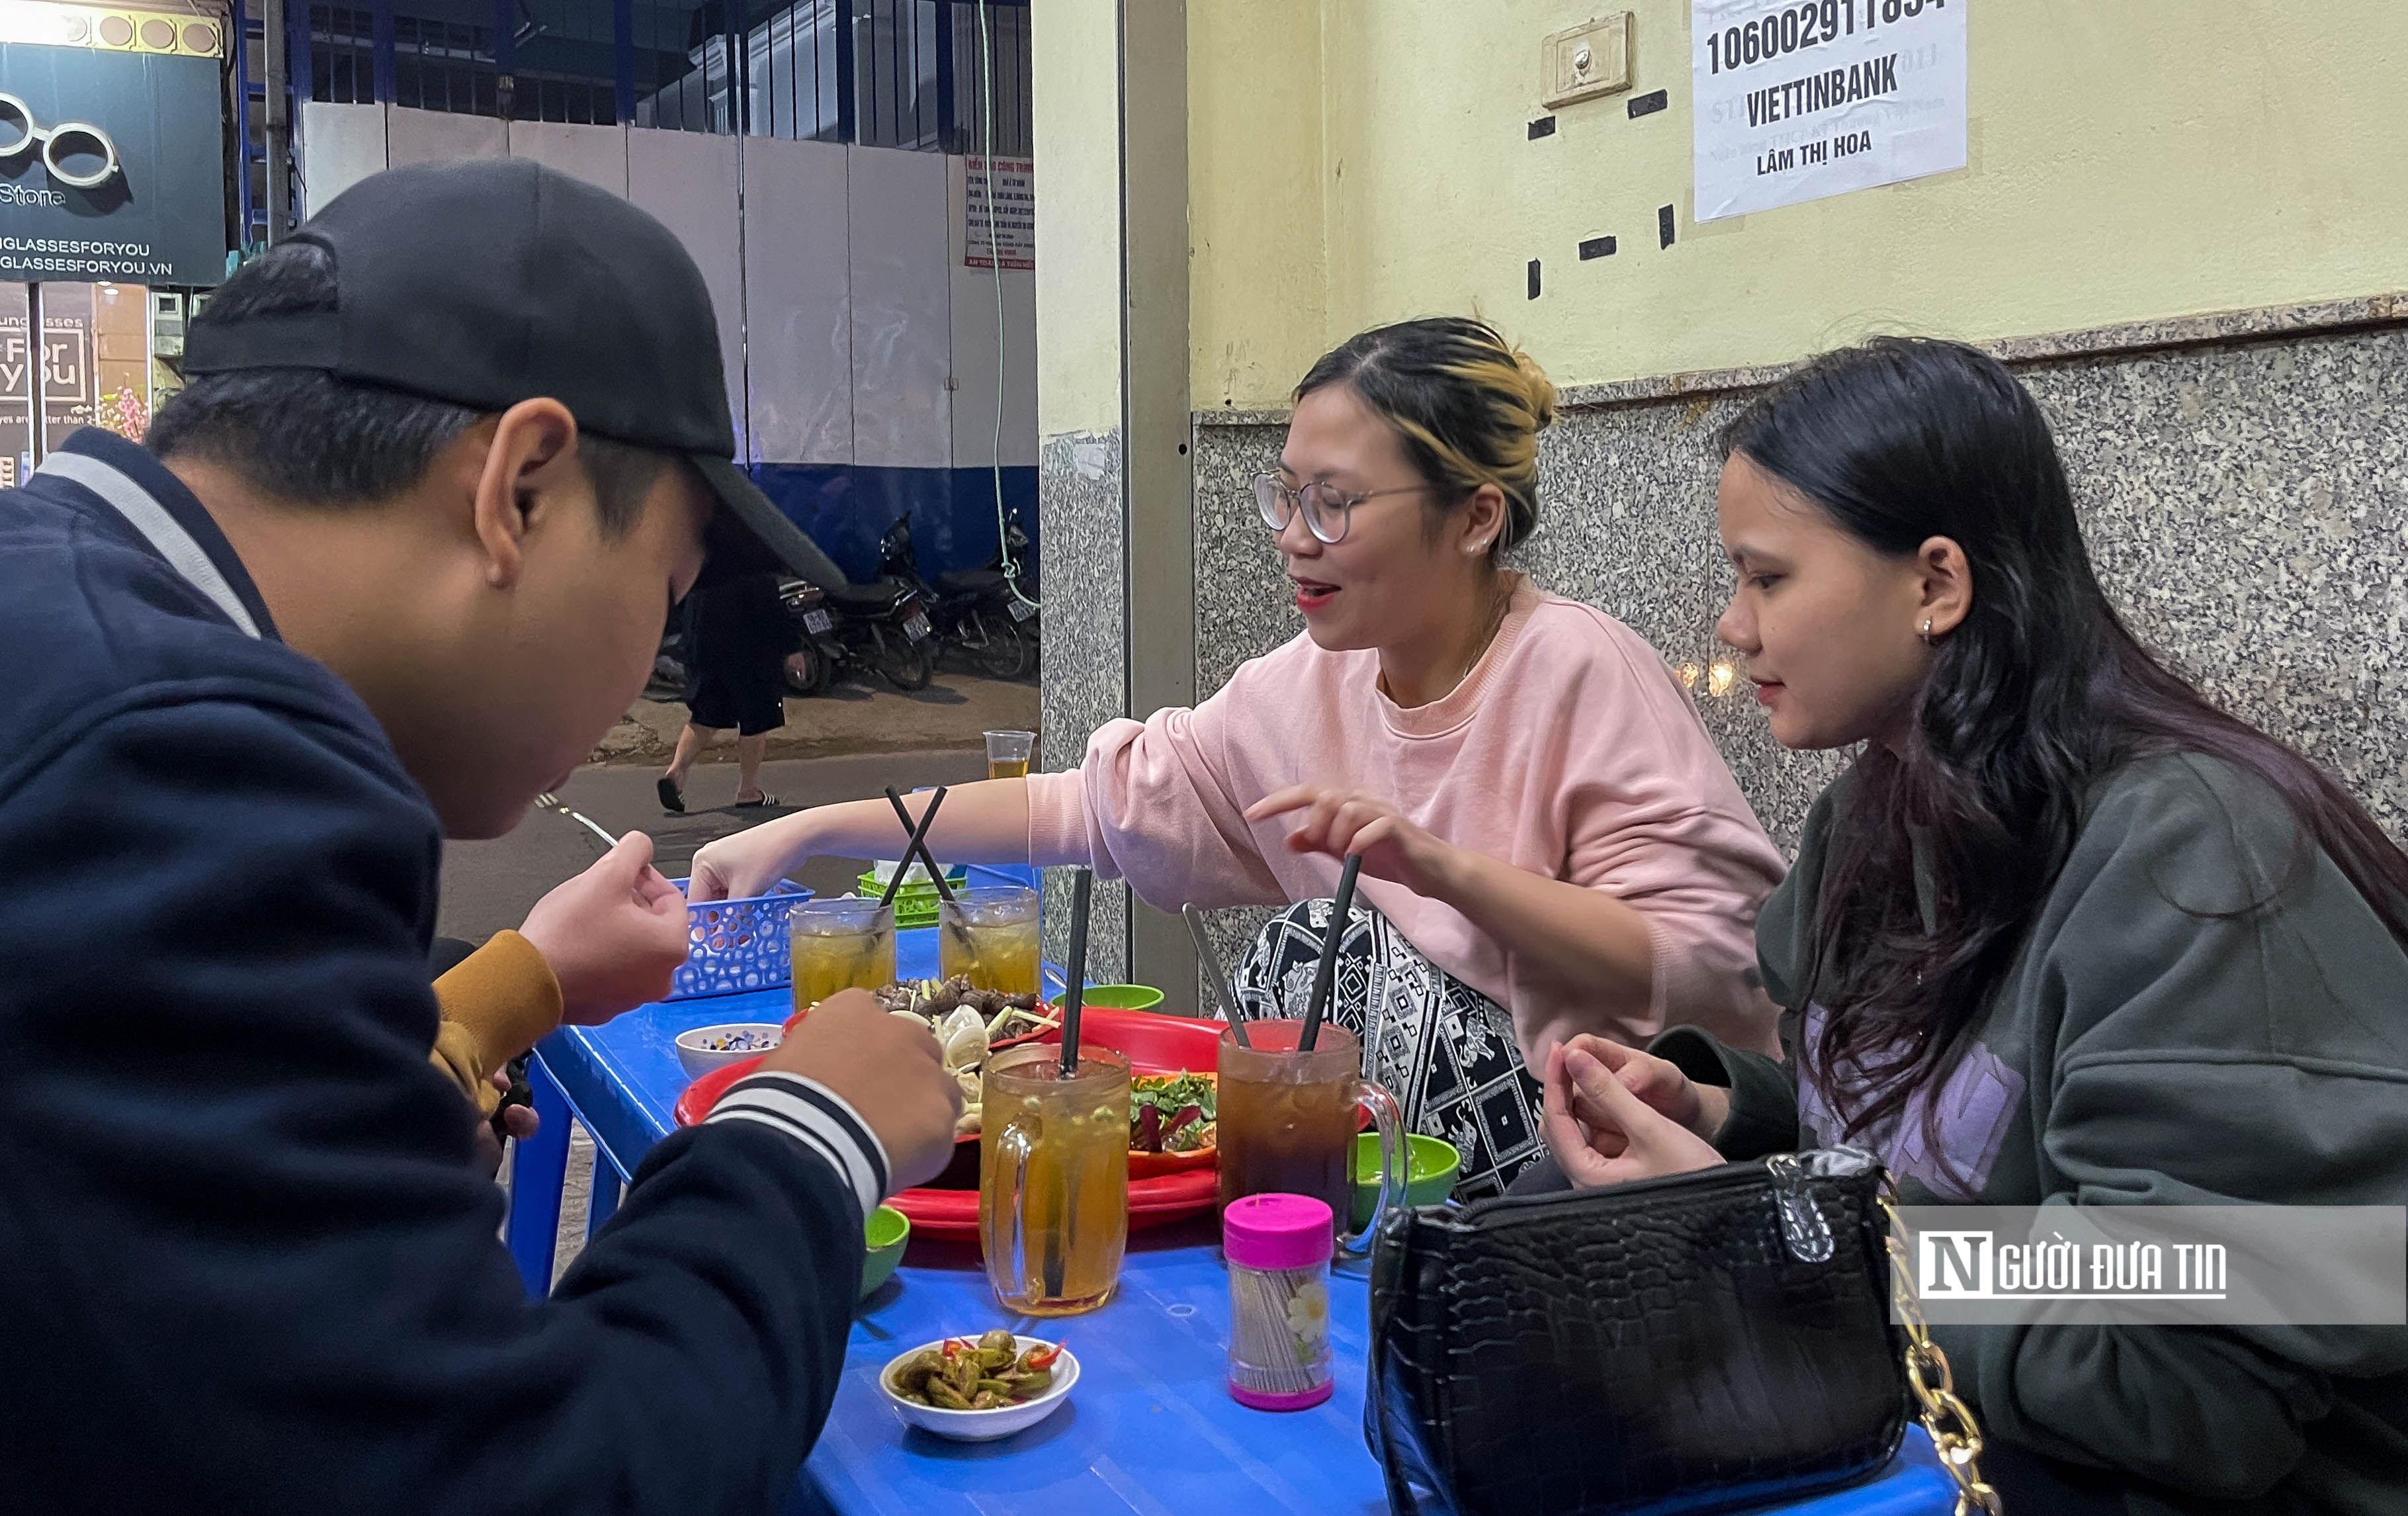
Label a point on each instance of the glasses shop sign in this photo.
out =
(1801, 99)
(110, 166)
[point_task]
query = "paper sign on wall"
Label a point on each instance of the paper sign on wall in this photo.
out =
(1799, 99)
(1011, 185)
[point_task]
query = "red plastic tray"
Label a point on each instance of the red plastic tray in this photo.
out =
(1154, 1044)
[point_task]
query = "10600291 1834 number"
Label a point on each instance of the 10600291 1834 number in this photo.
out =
(1807, 24)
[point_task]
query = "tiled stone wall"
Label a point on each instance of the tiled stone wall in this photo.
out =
(1086, 652)
(2247, 505)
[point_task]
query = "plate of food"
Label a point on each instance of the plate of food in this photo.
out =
(1171, 1061)
(979, 1389)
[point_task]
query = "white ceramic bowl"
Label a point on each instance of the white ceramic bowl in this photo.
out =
(984, 1425)
(700, 1060)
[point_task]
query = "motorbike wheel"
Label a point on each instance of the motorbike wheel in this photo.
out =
(807, 670)
(1001, 652)
(907, 665)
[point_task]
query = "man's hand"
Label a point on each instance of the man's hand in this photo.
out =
(1341, 821)
(1602, 1134)
(520, 1121)
(886, 1067)
(614, 935)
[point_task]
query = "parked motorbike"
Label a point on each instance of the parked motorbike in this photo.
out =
(856, 628)
(973, 611)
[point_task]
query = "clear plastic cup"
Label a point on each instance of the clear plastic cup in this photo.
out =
(840, 942)
(989, 936)
(1007, 753)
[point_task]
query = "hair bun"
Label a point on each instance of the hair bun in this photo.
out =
(1538, 390)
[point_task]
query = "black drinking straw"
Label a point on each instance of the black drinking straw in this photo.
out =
(903, 813)
(919, 844)
(1074, 994)
(1324, 976)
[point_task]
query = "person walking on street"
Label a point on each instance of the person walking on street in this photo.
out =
(736, 638)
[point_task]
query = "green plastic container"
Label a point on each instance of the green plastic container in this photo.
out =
(915, 903)
(1431, 1165)
(1122, 997)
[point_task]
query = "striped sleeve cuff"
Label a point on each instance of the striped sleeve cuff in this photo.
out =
(819, 1118)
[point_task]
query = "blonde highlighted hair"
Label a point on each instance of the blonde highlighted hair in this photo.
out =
(1467, 404)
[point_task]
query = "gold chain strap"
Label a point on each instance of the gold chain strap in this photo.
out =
(1955, 1434)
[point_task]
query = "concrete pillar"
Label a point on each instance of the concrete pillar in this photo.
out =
(1110, 92)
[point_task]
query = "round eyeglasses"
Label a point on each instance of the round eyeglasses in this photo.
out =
(1326, 508)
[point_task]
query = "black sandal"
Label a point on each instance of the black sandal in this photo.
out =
(671, 800)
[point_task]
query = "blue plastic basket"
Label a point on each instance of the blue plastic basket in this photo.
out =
(738, 944)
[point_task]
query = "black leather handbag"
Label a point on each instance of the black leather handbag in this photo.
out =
(1703, 1341)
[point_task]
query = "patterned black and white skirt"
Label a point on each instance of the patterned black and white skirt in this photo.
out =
(1446, 1050)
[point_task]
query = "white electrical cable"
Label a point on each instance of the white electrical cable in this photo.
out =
(994, 262)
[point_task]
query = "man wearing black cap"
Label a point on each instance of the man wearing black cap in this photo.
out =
(394, 561)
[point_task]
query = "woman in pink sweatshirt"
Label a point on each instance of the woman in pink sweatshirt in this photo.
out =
(1551, 842)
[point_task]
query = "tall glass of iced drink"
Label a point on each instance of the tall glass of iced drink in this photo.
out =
(1287, 1119)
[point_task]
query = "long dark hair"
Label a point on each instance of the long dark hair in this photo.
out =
(2036, 695)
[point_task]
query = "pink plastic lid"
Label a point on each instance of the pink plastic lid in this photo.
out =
(1277, 1232)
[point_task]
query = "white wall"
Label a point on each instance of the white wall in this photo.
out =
(902, 309)
(597, 155)
(974, 350)
(799, 300)
(869, 342)
(341, 145)
(434, 135)
(688, 180)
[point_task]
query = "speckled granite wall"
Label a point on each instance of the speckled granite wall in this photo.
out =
(2247, 504)
(1086, 652)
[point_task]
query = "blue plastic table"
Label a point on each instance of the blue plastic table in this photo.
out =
(620, 1081)
(1151, 1428)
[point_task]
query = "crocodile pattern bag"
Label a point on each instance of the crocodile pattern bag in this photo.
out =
(1702, 1341)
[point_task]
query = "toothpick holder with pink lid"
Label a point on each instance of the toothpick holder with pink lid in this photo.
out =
(1278, 1248)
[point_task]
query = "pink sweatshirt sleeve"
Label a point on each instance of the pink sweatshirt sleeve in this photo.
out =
(1656, 820)
(1152, 804)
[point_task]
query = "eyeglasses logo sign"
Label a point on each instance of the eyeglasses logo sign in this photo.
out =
(67, 149)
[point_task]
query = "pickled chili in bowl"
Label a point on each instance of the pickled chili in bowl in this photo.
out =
(987, 1373)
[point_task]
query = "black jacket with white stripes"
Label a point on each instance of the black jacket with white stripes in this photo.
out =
(244, 1263)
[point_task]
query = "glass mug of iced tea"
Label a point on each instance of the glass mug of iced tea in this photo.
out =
(843, 943)
(1288, 1119)
(1054, 1178)
(989, 935)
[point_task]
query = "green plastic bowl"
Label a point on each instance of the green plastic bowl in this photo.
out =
(1122, 997)
(888, 1230)
(1430, 1167)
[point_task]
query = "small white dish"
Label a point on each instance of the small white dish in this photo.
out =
(739, 1039)
(984, 1425)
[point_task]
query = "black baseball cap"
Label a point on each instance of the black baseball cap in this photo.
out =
(490, 281)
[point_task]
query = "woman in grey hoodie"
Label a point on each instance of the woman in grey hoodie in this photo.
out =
(2065, 933)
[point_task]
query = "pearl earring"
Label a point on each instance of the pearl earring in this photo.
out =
(1927, 631)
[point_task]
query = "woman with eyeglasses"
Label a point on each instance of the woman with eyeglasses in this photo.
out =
(1551, 844)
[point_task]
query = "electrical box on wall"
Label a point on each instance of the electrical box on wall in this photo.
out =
(1583, 62)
